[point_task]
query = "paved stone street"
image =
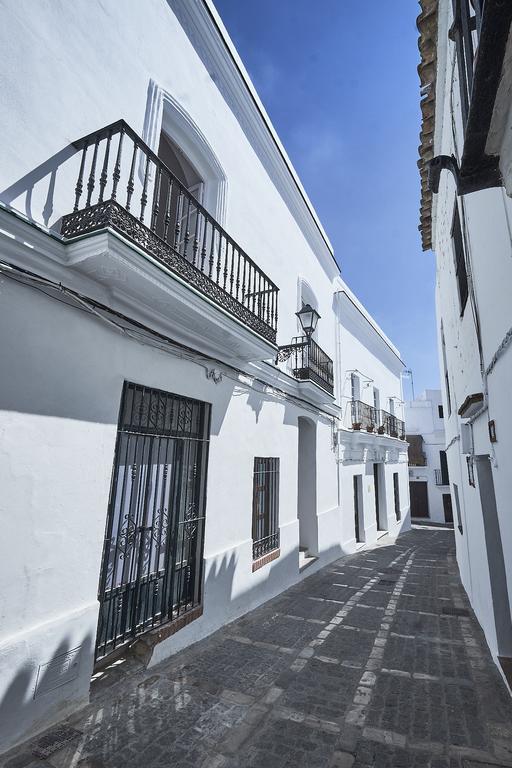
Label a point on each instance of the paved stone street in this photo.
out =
(375, 660)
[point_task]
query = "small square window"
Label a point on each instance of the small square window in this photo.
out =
(440, 410)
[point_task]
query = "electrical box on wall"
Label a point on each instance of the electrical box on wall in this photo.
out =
(465, 438)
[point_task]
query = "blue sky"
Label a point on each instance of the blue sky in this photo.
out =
(338, 79)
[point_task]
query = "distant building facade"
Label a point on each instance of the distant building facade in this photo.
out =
(429, 481)
(466, 215)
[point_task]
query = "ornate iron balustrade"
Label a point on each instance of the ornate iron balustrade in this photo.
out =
(391, 425)
(441, 477)
(364, 416)
(122, 184)
(308, 361)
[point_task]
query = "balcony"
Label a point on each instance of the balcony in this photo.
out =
(308, 362)
(123, 186)
(441, 477)
(390, 425)
(364, 416)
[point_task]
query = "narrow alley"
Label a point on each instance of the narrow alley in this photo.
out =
(375, 660)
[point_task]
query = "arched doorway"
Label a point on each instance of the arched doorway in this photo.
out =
(307, 491)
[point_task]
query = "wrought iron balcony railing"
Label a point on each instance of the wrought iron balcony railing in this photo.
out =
(441, 477)
(364, 416)
(122, 184)
(391, 425)
(308, 361)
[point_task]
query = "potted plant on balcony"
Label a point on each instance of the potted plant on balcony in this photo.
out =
(356, 425)
(370, 427)
(381, 430)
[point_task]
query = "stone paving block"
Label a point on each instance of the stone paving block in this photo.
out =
(318, 677)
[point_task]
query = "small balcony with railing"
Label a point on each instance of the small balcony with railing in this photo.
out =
(391, 425)
(307, 361)
(441, 477)
(367, 417)
(218, 290)
(364, 416)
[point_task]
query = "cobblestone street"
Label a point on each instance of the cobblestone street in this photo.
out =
(376, 660)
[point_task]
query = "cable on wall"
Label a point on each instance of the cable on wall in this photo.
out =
(144, 335)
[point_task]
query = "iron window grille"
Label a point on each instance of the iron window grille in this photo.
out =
(153, 550)
(265, 507)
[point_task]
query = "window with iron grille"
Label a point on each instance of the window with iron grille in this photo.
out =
(460, 261)
(265, 506)
(396, 489)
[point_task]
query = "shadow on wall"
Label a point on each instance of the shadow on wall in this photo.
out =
(73, 366)
(25, 187)
(39, 696)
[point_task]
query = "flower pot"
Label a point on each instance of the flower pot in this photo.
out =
(370, 428)
(380, 430)
(356, 425)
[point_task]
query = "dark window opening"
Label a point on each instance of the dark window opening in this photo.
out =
(396, 489)
(461, 274)
(357, 498)
(440, 411)
(265, 507)
(446, 377)
(447, 507)
(457, 507)
(445, 479)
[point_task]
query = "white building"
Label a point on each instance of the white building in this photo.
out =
(466, 162)
(160, 470)
(429, 482)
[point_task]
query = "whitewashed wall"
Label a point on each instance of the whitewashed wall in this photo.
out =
(486, 218)
(64, 370)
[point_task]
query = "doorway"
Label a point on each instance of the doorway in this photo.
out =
(448, 509)
(358, 508)
(380, 501)
(495, 560)
(308, 524)
(178, 220)
(419, 499)
(153, 550)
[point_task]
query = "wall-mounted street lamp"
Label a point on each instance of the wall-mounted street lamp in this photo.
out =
(308, 318)
(309, 361)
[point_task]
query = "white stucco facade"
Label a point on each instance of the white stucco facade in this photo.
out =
(80, 316)
(424, 420)
(475, 356)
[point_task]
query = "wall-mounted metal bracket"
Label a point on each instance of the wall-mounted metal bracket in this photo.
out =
(441, 163)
